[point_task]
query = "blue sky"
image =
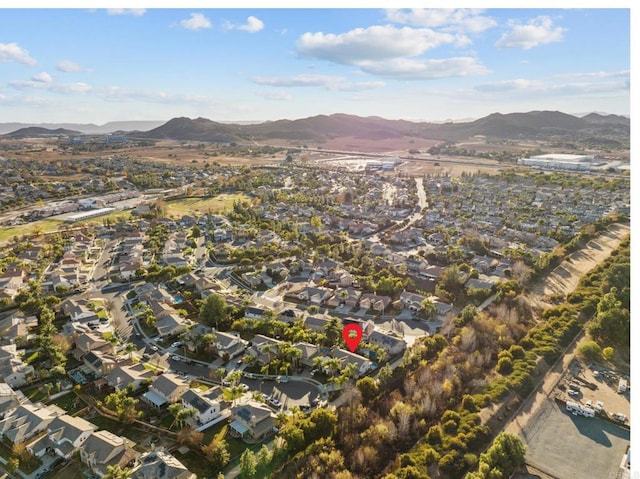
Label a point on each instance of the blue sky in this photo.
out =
(79, 65)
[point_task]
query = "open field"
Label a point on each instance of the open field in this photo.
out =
(466, 165)
(52, 224)
(218, 204)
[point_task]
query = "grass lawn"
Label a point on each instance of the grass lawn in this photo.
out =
(70, 403)
(219, 204)
(194, 461)
(8, 232)
(71, 469)
(49, 224)
(120, 429)
(235, 446)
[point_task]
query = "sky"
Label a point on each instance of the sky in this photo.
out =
(99, 65)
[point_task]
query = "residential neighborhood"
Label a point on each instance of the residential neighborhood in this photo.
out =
(202, 331)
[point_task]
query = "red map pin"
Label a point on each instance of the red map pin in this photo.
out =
(352, 334)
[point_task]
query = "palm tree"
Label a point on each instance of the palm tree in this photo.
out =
(130, 348)
(232, 393)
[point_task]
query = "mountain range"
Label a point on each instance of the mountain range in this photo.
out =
(531, 125)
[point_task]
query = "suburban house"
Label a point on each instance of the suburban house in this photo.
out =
(228, 343)
(78, 311)
(160, 464)
(9, 399)
(315, 296)
(165, 389)
(206, 409)
(99, 364)
(251, 312)
(263, 348)
(13, 371)
(411, 301)
(316, 324)
(477, 283)
(391, 344)
(362, 364)
(122, 376)
(375, 302)
(309, 352)
(102, 449)
(171, 325)
(66, 435)
(87, 342)
(252, 420)
(347, 296)
(26, 421)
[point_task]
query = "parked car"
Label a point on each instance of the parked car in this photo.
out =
(618, 416)
(573, 392)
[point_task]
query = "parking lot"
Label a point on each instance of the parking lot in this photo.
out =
(569, 446)
(602, 386)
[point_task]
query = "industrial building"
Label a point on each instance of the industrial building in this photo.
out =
(88, 214)
(560, 161)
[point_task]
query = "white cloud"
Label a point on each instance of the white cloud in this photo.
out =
(538, 31)
(520, 86)
(417, 69)
(197, 21)
(449, 19)
(371, 44)
(11, 52)
(253, 25)
(600, 74)
(68, 67)
(40, 82)
(77, 87)
(277, 96)
(136, 12)
(328, 82)
(42, 77)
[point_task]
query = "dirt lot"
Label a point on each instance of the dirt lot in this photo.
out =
(567, 446)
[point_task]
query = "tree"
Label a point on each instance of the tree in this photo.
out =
(12, 464)
(607, 353)
(180, 414)
(333, 331)
(368, 388)
(264, 457)
(506, 453)
(217, 453)
(130, 348)
(589, 350)
(214, 310)
(114, 472)
(123, 405)
(232, 393)
(427, 308)
(248, 464)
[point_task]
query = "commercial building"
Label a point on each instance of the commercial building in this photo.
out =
(559, 161)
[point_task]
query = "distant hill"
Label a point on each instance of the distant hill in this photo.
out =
(86, 128)
(541, 125)
(35, 131)
(183, 128)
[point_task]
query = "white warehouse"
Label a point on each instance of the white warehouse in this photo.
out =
(559, 161)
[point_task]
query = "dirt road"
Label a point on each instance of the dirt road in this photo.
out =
(564, 279)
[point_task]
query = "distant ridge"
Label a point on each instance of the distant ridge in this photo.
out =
(320, 128)
(534, 124)
(35, 131)
(85, 128)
